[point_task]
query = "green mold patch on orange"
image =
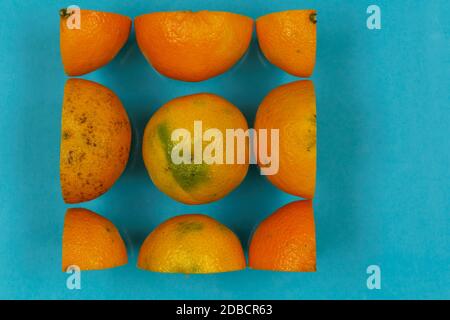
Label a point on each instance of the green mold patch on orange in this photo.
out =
(311, 136)
(189, 226)
(188, 176)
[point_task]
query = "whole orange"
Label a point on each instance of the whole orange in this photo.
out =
(95, 44)
(193, 46)
(288, 40)
(291, 108)
(194, 183)
(91, 242)
(285, 241)
(192, 243)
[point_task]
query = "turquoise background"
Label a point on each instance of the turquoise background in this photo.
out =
(383, 155)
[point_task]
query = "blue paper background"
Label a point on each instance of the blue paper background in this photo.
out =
(383, 155)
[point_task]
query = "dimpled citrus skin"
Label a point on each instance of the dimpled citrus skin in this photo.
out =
(288, 40)
(192, 183)
(95, 44)
(291, 108)
(95, 140)
(193, 46)
(91, 242)
(190, 244)
(286, 240)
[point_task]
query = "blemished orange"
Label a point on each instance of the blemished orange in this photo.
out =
(192, 183)
(95, 140)
(288, 40)
(286, 240)
(193, 46)
(291, 108)
(91, 242)
(191, 244)
(98, 40)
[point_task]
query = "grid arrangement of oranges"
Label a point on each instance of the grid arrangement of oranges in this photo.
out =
(96, 139)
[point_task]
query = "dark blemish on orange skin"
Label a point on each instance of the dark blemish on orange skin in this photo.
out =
(119, 124)
(83, 118)
(313, 120)
(70, 157)
(90, 128)
(89, 142)
(66, 135)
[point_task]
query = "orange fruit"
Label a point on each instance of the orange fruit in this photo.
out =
(193, 46)
(194, 183)
(98, 40)
(288, 40)
(291, 108)
(286, 240)
(91, 242)
(192, 243)
(95, 140)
